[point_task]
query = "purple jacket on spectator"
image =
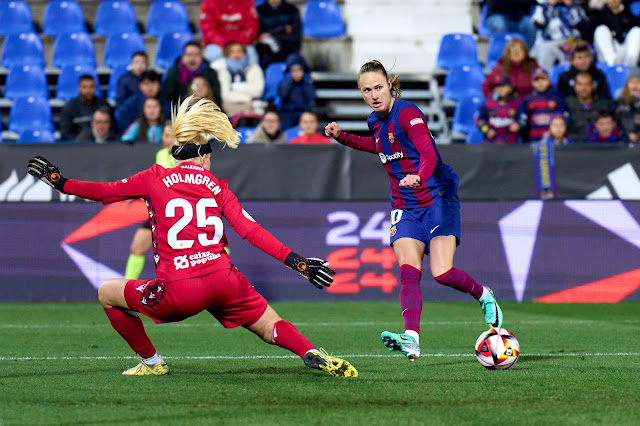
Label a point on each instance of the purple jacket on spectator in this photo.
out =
(594, 137)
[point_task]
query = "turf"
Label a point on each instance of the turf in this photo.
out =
(579, 364)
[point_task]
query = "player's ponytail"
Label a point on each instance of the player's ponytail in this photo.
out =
(196, 120)
(376, 66)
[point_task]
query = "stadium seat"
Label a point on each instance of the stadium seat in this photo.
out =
(15, 18)
(292, 132)
(73, 49)
(167, 16)
(556, 71)
(22, 49)
(113, 81)
(463, 81)
(497, 43)
(322, 19)
(62, 17)
(119, 48)
(26, 80)
(464, 114)
(114, 17)
(617, 78)
(635, 8)
(483, 30)
(245, 133)
(67, 87)
(30, 114)
(36, 136)
(272, 78)
(475, 136)
(457, 49)
(170, 47)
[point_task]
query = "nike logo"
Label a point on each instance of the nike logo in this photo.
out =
(377, 140)
(433, 229)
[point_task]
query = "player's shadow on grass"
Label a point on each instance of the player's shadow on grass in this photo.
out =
(58, 373)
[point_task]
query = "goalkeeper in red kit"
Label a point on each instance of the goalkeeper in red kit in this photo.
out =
(186, 204)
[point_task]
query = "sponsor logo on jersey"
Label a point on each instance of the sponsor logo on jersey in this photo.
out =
(500, 122)
(416, 121)
(384, 158)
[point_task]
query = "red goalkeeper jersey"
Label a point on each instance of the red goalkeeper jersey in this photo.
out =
(186, 205)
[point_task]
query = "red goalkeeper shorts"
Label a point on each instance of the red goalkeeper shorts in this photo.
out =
(226, 294)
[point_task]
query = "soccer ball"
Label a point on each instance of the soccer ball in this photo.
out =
(497, 349)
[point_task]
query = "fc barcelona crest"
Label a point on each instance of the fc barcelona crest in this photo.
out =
(391, 139)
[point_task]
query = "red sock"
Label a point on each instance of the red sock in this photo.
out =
(287, 336)
(131, 329)
(460, 280)
(410, 297)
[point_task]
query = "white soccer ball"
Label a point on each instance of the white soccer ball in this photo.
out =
(497, 349)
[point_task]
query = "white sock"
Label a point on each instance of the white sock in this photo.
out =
(484, 293)
(152, 360)
(413, 334)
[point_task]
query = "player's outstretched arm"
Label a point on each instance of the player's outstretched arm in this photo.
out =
(315, 270)
(361, 143)
(44, 170)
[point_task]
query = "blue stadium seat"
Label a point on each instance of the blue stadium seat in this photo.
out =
(30, 114)
(245, 133)
(167, 16)
(617, 78)
(556, 71)
(464, 114)
(67, 87)
(63, 17)
(22, 49)
(635, 8)
(73, 49)
(170, 47)
(322, 19)
(463, 81)
(483, 30)
(114, 17)
(475, 136)
(15, 17)
(120, 47)
(26, 80)
(457, 49)
(36, 136)
(113, 80)
(292, 132)
(272, 78)
(497, 43)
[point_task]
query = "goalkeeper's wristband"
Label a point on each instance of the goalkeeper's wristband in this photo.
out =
(57, 181)
(297, 263)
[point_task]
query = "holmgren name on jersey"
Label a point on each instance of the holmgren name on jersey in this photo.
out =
(191, 178)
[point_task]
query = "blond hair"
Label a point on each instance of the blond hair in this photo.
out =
(197, 119)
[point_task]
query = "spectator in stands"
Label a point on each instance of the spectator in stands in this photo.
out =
(240, 80)
(583, 106)
(148, 128)
(200, 87)
(280, 31)
(558, 130)
(540, 105)
(628, 106)
(617, 34)
(268, 131)
(76, 114)
(501, 116)
(517, 65)
(582, 61)
(190, 65)
(228, 21)
(296, 91)
(148, 87)
(557, 20)
(309, 126)
(127, 85)
(511, 16)
(101, 130)
(605, 129)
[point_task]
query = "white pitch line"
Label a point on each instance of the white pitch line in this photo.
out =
(230, 357)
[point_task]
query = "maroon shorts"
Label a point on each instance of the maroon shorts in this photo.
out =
(226, 294)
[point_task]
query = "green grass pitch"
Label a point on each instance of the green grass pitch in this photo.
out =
(579, 364)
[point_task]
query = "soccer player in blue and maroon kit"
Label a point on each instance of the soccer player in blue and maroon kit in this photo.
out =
(425, 215)
(186, 204)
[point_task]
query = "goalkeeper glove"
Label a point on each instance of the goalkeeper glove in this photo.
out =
(315, 270)
(42, 169)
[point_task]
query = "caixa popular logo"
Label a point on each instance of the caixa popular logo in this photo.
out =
(385, 158)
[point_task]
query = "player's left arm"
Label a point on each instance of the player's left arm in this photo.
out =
(107, 192)
(414, 125)
(315, 270)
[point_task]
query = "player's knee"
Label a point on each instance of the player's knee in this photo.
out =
(104, 293)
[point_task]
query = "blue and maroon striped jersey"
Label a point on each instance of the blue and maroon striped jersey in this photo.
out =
(498, 115)
(539, 108)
